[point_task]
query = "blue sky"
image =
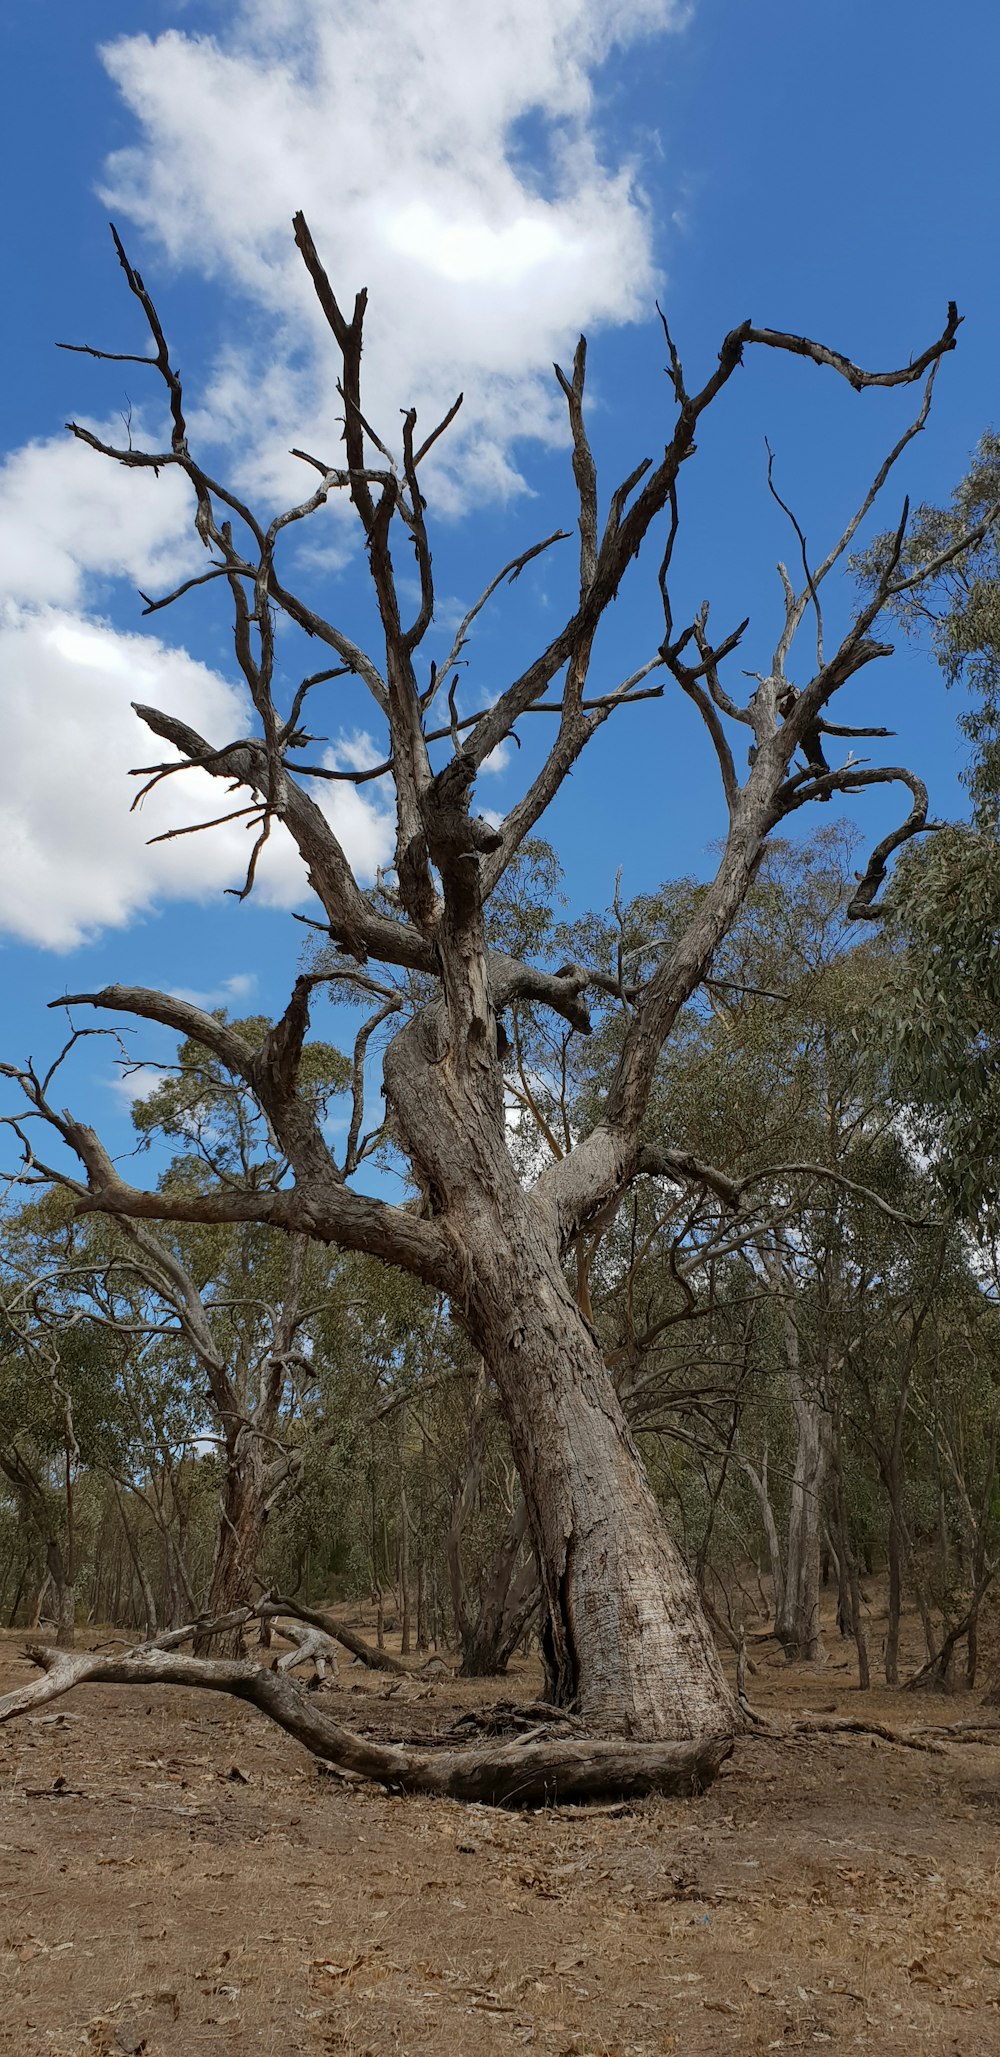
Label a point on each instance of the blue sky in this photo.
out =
(827, 169)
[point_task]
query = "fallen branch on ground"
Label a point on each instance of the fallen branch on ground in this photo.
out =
(524, 1773)
(824, 1725)
(963, 1731)
(377, 1660)
(847, 1725)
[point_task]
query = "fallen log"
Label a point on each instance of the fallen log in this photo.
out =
(377, 1660)
(523, 1774)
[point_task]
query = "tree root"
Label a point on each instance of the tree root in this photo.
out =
(523, 1773)
(840, 1725)
(847, 1725)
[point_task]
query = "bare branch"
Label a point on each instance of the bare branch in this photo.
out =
(511, 573)
(584, 468)
(820, 353)
(810, 582)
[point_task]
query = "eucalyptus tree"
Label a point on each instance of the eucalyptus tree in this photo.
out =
(58, 1405)
(217, 1314)
(941, 1015)
(625, 1636)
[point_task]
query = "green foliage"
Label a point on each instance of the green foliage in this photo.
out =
(959, 606)
(203, 1108)
(939, 1009)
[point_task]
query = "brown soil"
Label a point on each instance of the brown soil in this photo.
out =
(177, 1877)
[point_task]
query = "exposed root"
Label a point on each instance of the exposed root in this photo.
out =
(842, 1725)
(847, 1725)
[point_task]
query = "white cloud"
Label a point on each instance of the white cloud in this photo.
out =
(75, 859)
(68, 516)
(228, 993)
(396, 129)
(136, 1082)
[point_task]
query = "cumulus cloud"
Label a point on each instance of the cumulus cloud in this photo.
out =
(230, 992)
(75, 859)
(68, 517)
(400, 132)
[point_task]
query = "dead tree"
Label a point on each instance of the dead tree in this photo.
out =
(626, 1639)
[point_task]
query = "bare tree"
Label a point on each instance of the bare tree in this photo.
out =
(625, 1639)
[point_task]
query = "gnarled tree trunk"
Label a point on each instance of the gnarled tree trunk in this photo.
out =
(625, 1639)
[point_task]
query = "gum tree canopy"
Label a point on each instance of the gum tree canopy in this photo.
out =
(626, 1641)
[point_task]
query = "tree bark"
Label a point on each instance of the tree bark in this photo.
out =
(625, 1638)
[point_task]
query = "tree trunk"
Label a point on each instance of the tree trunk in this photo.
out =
(626, 1639)
(895, 1601)
(489, 1635)
(796, 1615)
(797, 1621)
(404, 1573)
(758, 1480)
(64, 1593)
(25, 1568)
(849, 1568)
(240, 1539)
(131, 1544)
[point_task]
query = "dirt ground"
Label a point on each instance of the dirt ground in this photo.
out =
(179, 1877)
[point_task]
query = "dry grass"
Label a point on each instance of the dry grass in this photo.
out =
(827, 1893)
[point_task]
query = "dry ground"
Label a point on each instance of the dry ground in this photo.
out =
(178, 1877)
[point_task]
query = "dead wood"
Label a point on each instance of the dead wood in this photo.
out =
(841, 1724)
(987, 1732)
(524, 1773)
(377, 1660)
(508, 1718)
(933, 1676)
